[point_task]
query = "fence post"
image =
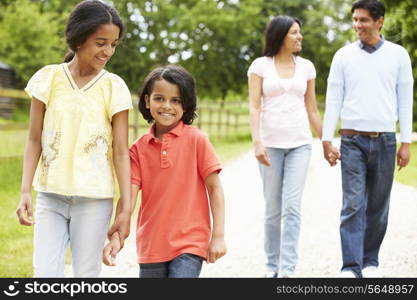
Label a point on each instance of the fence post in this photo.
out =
(200, 118)
(236, 122)
(135, 123)
(210, 120)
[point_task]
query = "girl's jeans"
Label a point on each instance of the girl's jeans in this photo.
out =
(62, 219)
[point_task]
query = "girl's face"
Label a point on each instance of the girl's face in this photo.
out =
(292, 40)
(99, 47)
(165, 105)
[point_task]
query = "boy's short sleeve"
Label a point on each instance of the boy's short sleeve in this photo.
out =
(40, 84)
(207, 158)
(135, 172)
(120, 97)
(258, 66)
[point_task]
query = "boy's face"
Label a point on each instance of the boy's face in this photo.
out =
(366, 28)
(165, 105)
(99, 47)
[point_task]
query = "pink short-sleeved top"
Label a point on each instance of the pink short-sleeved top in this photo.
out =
(284, 119)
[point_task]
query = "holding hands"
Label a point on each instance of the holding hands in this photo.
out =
(331, 153)
(111, 249)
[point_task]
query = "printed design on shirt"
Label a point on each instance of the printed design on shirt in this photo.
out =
(98, 151)
(98, 145)
(50, 152)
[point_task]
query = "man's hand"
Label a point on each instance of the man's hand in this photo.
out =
(403, 155)
(331, 153)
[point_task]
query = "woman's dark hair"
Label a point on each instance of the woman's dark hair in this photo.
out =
(376, 9)
(182, 79)
(85, 19)
(275, 33)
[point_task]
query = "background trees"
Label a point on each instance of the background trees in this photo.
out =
(215, 40)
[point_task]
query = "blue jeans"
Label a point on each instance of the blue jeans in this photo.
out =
(283, 184)
(183, 266)
(367, 173)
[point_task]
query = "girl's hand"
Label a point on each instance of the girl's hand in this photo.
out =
(121, 226)
(111, 249)
(262, 155)
(24, 209)
(217, 249)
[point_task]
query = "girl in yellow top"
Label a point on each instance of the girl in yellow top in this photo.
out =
(78, 137)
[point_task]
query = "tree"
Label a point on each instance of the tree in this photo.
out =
(400, 28)
(29, 39)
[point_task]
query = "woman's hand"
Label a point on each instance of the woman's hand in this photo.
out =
(262, 155)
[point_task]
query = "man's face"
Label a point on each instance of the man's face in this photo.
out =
(366, 28)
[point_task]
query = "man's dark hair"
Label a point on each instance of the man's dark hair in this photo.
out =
(376, 8)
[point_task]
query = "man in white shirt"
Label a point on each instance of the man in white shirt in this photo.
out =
(370, 88)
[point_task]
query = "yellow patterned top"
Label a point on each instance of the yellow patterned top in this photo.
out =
(76, 157)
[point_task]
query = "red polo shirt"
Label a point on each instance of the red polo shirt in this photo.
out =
(174, 216)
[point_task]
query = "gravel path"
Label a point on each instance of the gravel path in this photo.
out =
(319, 254)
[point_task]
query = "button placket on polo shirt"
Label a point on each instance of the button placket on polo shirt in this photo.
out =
(165, 162)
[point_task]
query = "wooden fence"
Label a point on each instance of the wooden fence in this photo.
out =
(231, 120)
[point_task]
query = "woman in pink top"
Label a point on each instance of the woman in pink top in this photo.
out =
(282, 108)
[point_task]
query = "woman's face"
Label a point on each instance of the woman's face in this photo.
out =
(99, 47)
(292, 41)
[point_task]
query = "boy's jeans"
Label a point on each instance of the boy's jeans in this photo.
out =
(283, 184)
(367, 173)
(183, 266)
(62, 219)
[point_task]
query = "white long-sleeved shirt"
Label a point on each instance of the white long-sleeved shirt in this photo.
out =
(370, 91)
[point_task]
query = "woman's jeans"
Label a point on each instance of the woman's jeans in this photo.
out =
(62, 219)
(367, 173)
(283, 184)
(183, 266)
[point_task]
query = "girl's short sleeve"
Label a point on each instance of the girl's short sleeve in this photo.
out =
(120, 97)
(258, 66)
(311, 70)
(41, 83)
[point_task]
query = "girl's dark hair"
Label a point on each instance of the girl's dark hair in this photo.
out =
(85, 19)
(376, 8)
(275, 33)
(182, 79)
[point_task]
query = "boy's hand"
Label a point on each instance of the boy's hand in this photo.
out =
(217, 249)
(111, 249)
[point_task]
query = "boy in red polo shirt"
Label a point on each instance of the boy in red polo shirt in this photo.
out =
(177, 169)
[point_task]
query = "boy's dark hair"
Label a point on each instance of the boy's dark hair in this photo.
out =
(85, 19)
(275, 33)
(182, 79)
(376, 8)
